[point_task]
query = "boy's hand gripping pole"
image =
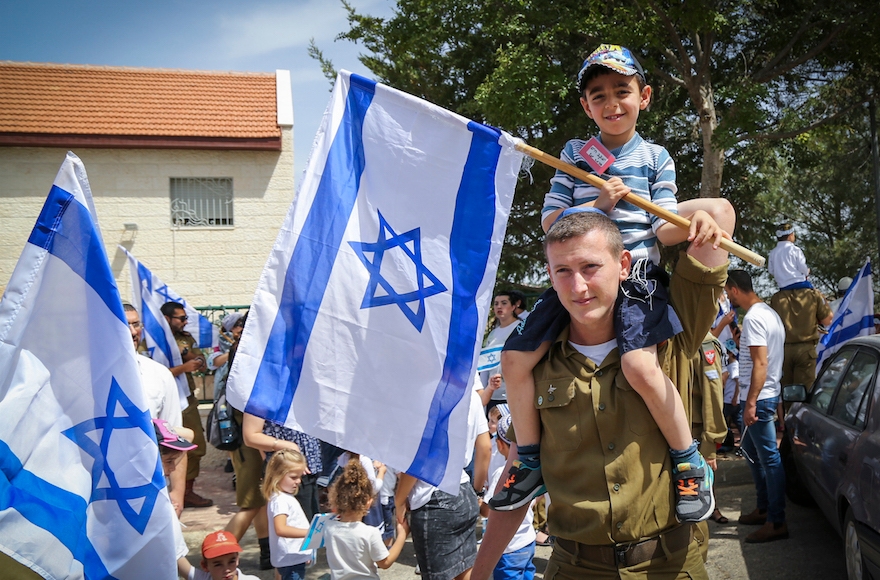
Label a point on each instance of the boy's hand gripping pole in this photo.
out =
(675, 219)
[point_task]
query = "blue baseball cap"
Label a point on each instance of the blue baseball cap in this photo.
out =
(614, 57)
(574, 210)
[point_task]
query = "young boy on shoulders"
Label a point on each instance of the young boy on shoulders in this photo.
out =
(613, 91)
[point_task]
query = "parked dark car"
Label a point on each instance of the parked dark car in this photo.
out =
(831, 450)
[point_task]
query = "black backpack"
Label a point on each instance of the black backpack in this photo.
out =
(222, 431)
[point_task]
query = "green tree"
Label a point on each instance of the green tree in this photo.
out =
(736, 81)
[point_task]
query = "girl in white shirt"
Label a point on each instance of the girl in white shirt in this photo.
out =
(288, 524)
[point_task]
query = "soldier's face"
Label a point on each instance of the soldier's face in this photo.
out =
(178, 321)
(586, 277)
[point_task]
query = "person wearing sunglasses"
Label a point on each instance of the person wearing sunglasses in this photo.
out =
(193, 361)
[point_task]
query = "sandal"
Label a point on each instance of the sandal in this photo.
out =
(545, 542)
(718, 518)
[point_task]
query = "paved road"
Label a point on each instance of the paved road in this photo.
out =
(814, 550)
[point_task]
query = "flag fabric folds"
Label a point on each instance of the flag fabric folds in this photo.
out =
(368, 317)
(148, 294)
(82, 494)
(854, 316)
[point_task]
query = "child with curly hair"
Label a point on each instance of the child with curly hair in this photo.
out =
(354, 549)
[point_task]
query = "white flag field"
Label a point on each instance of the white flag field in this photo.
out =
(854, 316)
(82, 494)
(148, 294)
(148, 289)
(367, 320)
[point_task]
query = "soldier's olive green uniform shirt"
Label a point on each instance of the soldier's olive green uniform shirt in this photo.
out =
(707, 404)
(186, 341)
(605, 462)
(800, 311)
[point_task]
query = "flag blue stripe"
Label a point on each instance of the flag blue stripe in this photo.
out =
(51, 508)
(851, 331)
(470, 244)
(152, 326)
(66, 230)
(206, 332)
(313, 256)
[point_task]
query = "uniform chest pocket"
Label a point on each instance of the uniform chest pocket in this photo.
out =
(556, 399)
(632, 408)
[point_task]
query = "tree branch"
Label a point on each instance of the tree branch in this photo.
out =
(771, 71)
(683, 62)
(794, 133)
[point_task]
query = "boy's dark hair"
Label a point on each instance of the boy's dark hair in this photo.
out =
(741, 280)
(597, 71)
(515, 296)
(580, 224)
(169, 307)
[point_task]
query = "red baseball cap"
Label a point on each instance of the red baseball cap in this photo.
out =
(219, 544)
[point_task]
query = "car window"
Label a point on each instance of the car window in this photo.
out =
(855, 388)
(824, 387)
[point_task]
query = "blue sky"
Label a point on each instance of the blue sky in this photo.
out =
(254, 35)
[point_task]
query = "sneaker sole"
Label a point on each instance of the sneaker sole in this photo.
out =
(518, 504)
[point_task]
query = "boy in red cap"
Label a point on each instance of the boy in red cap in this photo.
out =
(220, 557)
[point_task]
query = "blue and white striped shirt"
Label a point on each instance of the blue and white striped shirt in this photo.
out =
(647, 169)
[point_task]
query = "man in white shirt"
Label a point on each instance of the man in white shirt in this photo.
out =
(160, 391)
(761, 350)
(443, 525)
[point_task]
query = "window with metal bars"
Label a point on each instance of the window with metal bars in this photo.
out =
(201, 201)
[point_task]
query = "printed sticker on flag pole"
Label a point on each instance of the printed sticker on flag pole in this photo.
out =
(597, 155)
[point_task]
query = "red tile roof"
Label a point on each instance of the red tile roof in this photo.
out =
(163, 105)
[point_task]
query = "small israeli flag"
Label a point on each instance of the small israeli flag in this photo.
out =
(149, 293)
(854, 316)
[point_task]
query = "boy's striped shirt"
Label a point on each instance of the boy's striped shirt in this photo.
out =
(647, 169)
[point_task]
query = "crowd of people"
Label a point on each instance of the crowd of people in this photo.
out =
(596, 416)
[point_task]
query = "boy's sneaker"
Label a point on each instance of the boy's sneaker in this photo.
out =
(523, 484)
(695, 500)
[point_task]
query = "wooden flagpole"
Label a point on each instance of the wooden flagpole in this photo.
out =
(675, 219)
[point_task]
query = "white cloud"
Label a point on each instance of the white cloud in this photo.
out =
(268, 27)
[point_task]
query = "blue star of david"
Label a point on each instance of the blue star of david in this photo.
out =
(389, 239)
(163, 292)
(134, 418)
(491, 358)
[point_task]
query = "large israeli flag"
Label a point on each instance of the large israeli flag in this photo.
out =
(368, 317)
(148, 294)
(854, 316)
(82, 493)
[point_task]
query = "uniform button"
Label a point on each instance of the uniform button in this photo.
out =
(611, 446)
(550, 397)
(540, 400)
(599, 373)
(616, 487)
(601, 406)
(619, 525)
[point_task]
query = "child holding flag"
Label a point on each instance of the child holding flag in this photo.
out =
(613, 91)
